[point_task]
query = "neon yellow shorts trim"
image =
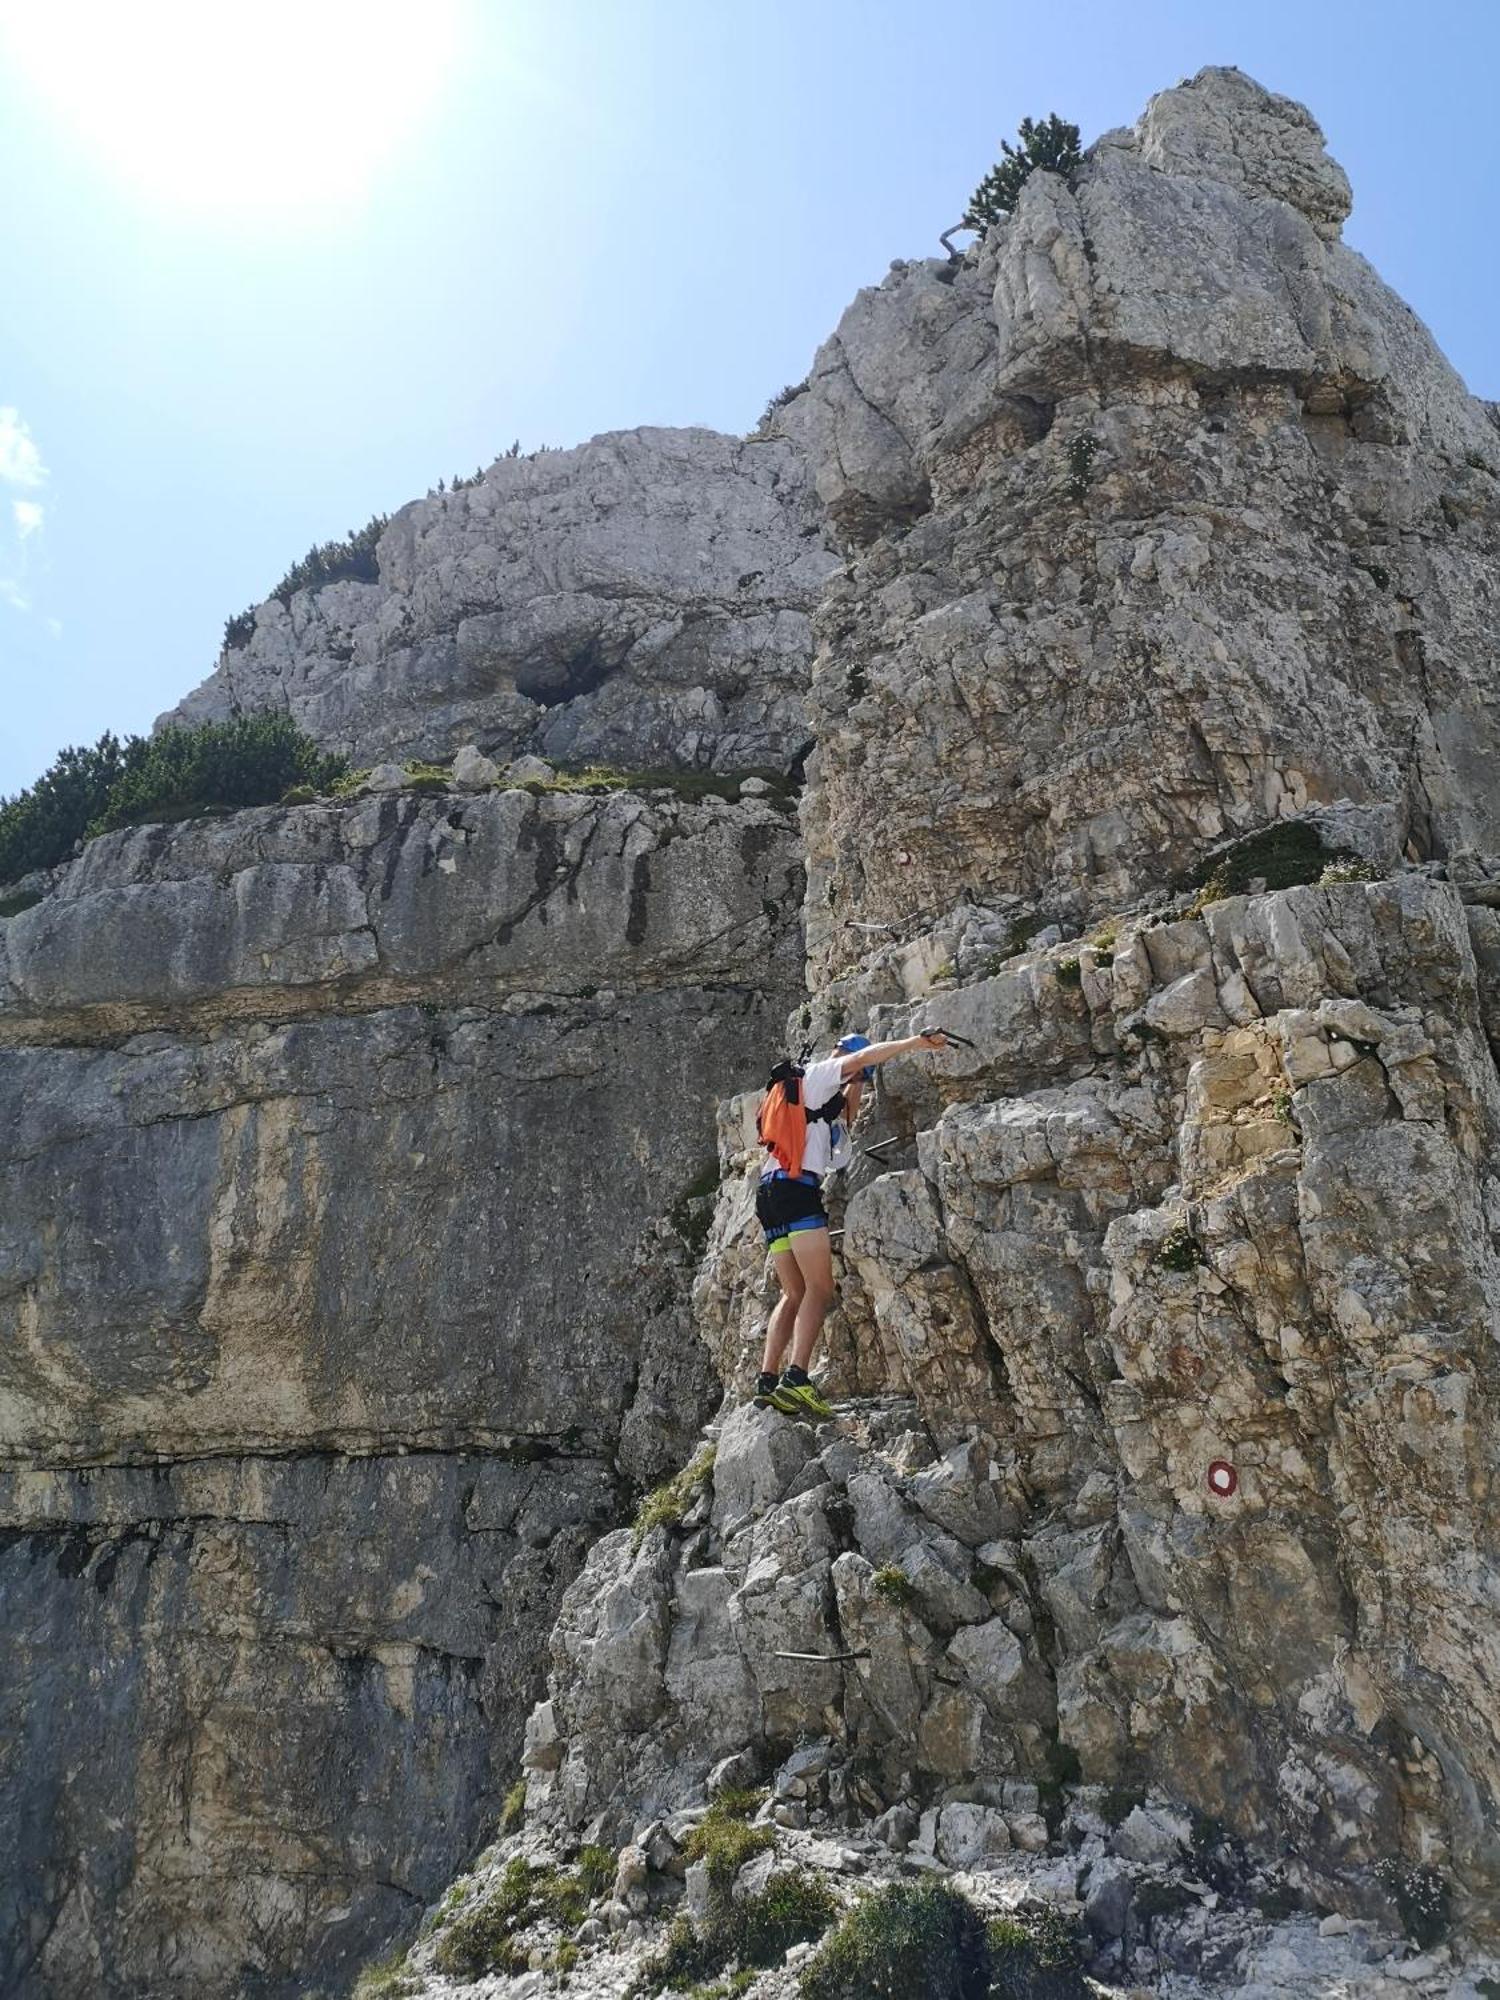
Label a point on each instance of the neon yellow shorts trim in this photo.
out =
(779, 1243)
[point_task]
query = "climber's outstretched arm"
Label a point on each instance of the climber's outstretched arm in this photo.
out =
(882, 1052)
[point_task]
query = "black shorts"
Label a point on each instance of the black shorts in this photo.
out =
(783, 1205)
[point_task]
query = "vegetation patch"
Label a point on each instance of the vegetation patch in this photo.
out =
(1180, 1250)
(1284, 856)
(724, 1840)
(688, 785)
(12, 906)
(780, 400)
(756, 1931)
(215, 767)
(1046, 146)
(1069, 972)
(513, 1811)
(906, 1939)
(893, 1584)
(594, 1870)
(484, 1938)
(1081, 453)
(1036, 1954)
(1352, 870)
(351, 559)
(387, 1979)
(665, 1505)
(1423, 1901)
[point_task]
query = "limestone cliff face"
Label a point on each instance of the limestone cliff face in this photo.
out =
(1155, 717)
(641, 601)
(1174, 548)
(1203, 532)
(346, 1155)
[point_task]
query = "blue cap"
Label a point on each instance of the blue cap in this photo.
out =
(850, 1045)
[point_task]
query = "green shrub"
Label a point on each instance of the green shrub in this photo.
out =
(1049, 147)
(1180, 1250)
(724, 1841)
(349, 560)
(893, 1584)
(1423, 1900)
(12, 906)
(762, 1929)
(665, 1505)
(253, 760)
(1036, 1954)
(780, 400)
(299, 795)
(240, 629)
(483, 1939)
(42, 825)
(755, 1931)
(388, 1979)
(906, 1939)
(513, 1811)
(1082, 451)
(1285, 856)
(595, 1870)
(1069, 972)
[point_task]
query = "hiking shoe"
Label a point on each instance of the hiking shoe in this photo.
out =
(800, 1399)
(765, 1399)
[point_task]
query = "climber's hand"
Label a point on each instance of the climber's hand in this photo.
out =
(933, 1038)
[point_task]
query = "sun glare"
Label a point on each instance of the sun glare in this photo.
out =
(245, 106)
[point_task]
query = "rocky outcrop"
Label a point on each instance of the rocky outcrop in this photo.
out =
(350, 1168)
(1178, 523)
(1172, 546)
(1149, 1565)
(1217, 1194)
(642, 601)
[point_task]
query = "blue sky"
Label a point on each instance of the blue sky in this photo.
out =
(232, 325)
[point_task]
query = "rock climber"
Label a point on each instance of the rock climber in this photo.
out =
(804, 1123)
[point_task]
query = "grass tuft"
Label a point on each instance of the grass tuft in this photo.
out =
(665, 1505)
(893, 1584)
(908, 1938)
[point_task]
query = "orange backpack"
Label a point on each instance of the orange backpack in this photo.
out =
(782, 1119)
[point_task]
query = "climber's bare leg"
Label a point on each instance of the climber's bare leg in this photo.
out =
(779, 1327)
(814, 1254)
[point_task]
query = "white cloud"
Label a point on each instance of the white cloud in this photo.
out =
(20, 461)
(21, 524)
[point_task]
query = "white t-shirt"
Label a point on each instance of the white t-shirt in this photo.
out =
(827, 1145)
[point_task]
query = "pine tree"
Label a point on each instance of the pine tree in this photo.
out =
(1051, 146)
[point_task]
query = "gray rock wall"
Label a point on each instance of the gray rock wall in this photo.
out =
(1169, 527)
(1175, 522)
(642, 601)
(346, 1189)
